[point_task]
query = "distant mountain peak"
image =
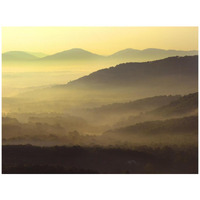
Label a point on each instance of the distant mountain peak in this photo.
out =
(75, 50)
(149, 49)
(15, 52)
(129, 49)
(17, 55)
(73, 54)
(78, 49)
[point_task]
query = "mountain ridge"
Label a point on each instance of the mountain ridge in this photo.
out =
(75, 53)
(178, 125)
(128, 55)
(18, 56)
(184, 106)
(127, 72)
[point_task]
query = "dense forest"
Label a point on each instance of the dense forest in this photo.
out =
(28, 159)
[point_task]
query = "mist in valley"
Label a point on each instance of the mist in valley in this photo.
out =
(137, 112)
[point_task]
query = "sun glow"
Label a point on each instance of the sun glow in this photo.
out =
(100, 40)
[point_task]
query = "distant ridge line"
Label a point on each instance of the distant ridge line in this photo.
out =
(128, 52)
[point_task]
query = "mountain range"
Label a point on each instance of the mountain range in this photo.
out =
(77, 55)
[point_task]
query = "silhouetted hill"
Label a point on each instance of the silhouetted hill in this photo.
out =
(18, 56)
(184, 106)
(187, 125)
(135, 107)
(148, 54)
(80, 55)
(126, 55)
(174, 75)
(170, 72)
(72, 55)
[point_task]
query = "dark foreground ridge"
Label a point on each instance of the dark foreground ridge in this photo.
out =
(27, 159)
(175, 70)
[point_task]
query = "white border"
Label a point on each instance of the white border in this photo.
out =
(99, 13)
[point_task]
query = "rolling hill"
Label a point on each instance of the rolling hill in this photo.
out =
(130, 55)
(80, 55)
(13, 56)
(184, 106)
(126, 55)
(75, 54)
(127, 81)
(134, 107)
(165, 73)
(171, 126)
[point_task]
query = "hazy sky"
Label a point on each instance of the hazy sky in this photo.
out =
(100, 40)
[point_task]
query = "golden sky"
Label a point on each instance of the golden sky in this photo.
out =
(100, 40)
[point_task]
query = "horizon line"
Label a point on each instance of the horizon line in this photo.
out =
(96, 53)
